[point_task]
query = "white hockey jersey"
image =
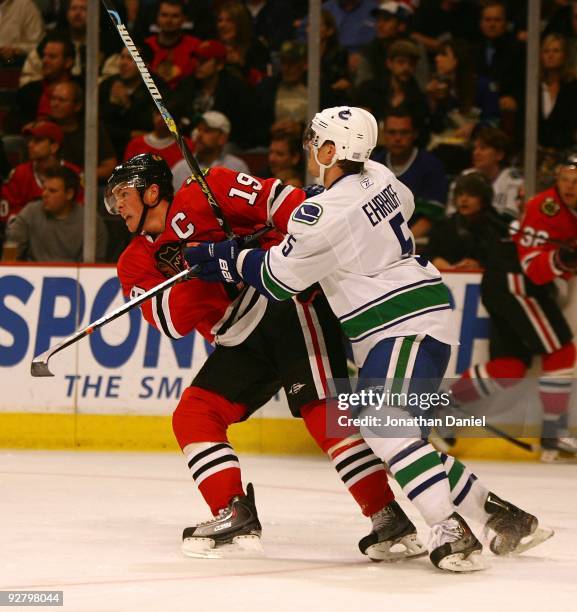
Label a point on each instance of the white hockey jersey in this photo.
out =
(354, 239)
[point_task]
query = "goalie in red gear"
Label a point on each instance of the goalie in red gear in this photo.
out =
(260, 347)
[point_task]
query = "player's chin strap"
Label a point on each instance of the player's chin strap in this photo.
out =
(145, 209)
(323, 167)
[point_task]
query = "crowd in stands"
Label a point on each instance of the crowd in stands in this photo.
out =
(444, 78)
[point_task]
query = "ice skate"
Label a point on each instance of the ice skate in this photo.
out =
(235, 531)
(394, 537)
(559, 450)
(453, 546)
(514, 531)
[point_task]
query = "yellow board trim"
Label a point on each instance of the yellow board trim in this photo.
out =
(154, 433)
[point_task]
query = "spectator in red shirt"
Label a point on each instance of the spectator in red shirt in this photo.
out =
(57, 53)
(173, 50)
(24, 183)
(159, 141)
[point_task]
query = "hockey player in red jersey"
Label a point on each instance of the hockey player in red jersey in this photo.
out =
(260, 348)
(526, 319)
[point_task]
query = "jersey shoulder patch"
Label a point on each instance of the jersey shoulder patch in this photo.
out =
(550, 207)
(308, 213)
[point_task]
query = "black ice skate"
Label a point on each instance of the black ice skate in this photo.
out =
(453, 546)
(394, 537)
(236, 529)
(515, 531)
(559, 450)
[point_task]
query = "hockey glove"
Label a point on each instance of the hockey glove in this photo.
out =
(170, 259)
(217, 260)
(565, 259)
(313, 190)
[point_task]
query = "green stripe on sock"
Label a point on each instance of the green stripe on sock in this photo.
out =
(418, 467)
(455, 473)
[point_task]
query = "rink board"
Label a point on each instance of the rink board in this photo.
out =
(118, 387)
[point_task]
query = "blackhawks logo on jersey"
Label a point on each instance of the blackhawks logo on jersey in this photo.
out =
(550, 207)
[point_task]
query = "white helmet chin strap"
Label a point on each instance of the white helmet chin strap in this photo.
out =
(323, 167)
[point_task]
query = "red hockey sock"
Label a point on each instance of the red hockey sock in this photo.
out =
(362, 472)
(483, 380)
(200, 422)
(556, 381)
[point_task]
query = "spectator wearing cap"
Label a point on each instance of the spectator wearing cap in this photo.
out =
(418, 169)
(66, 104)
(52, 228)
(460, 241)
(281, 101)
(214, 87)
(391, 22)
(24, 183)
(173, 50)
(159, 141)
(57, 53)
(245, 54)
(491, 151)
(125, 103)
(398, 87)
(210, 138)
(21, 28)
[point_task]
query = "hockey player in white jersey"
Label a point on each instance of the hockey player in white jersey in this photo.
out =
(354, 240)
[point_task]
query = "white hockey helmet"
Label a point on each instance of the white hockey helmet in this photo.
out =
(352, 129)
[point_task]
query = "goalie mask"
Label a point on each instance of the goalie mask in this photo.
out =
(353, 131)
(139, 172)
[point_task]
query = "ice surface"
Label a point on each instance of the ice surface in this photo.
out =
(105, 528)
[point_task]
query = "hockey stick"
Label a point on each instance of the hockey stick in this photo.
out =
(39, 365)
(500, 433)
(170, 123)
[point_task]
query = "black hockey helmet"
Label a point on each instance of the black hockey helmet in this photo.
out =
(569, 159)
(140, 172)
(475, 184)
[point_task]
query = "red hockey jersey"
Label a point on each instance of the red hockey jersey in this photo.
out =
(546, 217)
(176, 62)
(247, 203)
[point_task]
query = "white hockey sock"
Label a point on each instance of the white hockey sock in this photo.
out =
(417, 468)
(468, 493)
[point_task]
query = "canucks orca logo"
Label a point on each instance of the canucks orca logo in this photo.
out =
(308, 213)
(345, 114)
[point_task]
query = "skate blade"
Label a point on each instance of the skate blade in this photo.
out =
(540, 535)
(554, 456)
(383, 551)
(459, 563)
(241, 547)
